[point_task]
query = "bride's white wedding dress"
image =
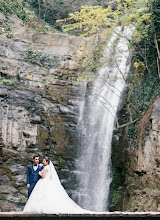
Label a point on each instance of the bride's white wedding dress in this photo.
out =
(49, 196)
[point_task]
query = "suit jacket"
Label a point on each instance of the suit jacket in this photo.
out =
(33, 176)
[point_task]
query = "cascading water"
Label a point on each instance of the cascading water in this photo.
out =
(96, 124)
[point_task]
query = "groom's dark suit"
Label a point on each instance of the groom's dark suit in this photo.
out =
(32, 177)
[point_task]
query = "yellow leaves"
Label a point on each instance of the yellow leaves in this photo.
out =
(143, 14)
(93, 19)
(137, 35)
(136, 65)
(139, 66)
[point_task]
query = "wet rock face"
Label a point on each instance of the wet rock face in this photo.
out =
(38, 109)
(142, 165)
(21, 118)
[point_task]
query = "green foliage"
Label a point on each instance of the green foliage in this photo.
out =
(49, 10)
(118, 178)
(144, 82)
(10, 7)
(5, 81)
(17, 7)
(8, 29)
(116, 196)
(20, 8)
(141, 97)
(36, 57)
(132, 134)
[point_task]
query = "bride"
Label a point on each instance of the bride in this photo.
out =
(49, 196)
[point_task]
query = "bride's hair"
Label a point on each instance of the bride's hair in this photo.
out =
(47, 160)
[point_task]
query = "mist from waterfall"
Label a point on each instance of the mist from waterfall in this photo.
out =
(96, 123)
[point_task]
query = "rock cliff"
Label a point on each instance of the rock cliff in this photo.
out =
(143, 171)
(137, 170)
(38, 108)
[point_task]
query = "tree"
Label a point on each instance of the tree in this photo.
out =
(94, 19)
(91, 19)
(52, 10)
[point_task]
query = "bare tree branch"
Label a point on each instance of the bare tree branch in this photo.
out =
(129, 123)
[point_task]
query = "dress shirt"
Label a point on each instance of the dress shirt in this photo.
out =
(35, 167)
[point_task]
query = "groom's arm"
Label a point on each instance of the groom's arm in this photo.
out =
(41, 167)
(28, 178)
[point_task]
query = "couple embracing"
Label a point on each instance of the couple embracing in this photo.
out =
(45, 192)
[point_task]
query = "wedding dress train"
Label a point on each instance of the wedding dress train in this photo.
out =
(50, 197)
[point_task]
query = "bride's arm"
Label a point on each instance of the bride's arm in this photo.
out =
(43, 173)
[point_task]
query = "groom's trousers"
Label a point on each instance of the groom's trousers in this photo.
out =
(31, 188)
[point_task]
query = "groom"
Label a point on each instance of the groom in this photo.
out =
(32, 174)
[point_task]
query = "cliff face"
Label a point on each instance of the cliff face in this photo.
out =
(143, 165)
(38, 108)
(137, 171)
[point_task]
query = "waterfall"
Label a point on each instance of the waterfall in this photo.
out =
(96, 124)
